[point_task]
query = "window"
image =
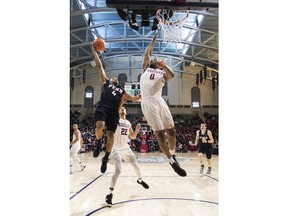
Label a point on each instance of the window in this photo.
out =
(195, 104)
(165, 89)
(122, 78)
(195, 97)
(88, 97)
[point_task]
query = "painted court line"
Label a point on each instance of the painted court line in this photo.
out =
(182, 199)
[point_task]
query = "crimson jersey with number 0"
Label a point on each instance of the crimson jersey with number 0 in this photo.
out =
(121, 138)
(152, 82)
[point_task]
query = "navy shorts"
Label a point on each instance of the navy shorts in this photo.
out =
(206, 148)
(110, 117)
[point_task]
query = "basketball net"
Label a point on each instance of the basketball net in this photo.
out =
(172, 22)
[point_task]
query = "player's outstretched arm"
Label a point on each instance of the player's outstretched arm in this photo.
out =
(197, 138)
(133, 98)
(100, 66)
(127, 97)
(133, 134)
(148, 53)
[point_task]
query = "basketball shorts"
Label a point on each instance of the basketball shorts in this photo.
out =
(157, 114)
(74, 149)
(122, 154)
(110, 117)
(206, 148)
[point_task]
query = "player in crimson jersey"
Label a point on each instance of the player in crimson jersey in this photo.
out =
(155, 109)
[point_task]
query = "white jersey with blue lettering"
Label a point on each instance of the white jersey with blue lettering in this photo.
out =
(121, 137)
(151, 83)
(76, 146)
(74, 137)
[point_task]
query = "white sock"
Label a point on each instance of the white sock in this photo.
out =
(172, 152)
(171, 161)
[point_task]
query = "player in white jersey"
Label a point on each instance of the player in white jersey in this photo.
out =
(121, 150)
(155, 109)
(75, 147)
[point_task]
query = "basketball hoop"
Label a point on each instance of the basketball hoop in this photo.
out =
(172, 22)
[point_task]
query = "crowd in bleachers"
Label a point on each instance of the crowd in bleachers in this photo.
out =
(185, 125)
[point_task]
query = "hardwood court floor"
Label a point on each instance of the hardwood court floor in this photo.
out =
(168, 195)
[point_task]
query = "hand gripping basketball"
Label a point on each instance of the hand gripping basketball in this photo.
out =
(99, 44)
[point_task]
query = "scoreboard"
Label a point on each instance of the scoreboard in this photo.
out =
(133, 88)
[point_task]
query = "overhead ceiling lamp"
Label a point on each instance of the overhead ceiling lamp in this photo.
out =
(145, 19)
(133, 25)
(132, 21)
(122, 14)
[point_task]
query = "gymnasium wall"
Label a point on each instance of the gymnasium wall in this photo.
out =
(179, 92)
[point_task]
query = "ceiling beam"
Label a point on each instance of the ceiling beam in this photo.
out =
(92, 10)
(105, 9)
(154, 5)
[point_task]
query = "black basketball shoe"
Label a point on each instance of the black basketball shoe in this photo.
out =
(144, 184)
(108, 199)
(104, 165)
(178, 169)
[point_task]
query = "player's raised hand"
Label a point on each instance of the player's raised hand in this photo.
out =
(138, 126)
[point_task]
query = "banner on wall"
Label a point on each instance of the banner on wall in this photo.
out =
(205, 73)
(84, 76)
(72, 83)
(213, 83)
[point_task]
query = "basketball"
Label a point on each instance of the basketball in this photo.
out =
(99, 44)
